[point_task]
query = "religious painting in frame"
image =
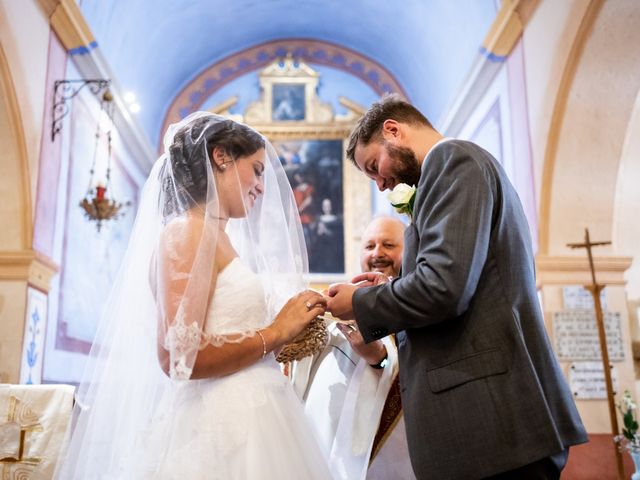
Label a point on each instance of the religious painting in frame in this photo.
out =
(288, 102)
(333, 198)
(314, 169)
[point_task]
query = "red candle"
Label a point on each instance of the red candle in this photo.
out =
(100, 189)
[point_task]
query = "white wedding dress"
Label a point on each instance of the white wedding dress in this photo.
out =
(249, 425)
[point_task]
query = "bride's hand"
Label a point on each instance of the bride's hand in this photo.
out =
(297, 313)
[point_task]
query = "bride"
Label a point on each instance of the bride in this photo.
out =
(182, 382)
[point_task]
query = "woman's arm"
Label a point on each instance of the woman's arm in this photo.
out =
(229, 358)
(217, 361)
(187, 277)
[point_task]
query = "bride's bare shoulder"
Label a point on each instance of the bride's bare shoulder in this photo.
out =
(186, 227)
(185, 235)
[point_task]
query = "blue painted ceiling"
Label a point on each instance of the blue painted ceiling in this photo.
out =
(155, 48)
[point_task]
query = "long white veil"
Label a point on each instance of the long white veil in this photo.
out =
(153, 324)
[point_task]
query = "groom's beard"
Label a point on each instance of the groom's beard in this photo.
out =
(405, 164)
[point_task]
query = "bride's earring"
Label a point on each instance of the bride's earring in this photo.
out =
(219, 160)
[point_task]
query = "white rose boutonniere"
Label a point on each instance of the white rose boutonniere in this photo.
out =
(402, 198)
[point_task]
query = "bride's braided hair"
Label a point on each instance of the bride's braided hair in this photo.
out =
(184, 185)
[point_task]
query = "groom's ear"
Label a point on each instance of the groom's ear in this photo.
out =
(391, 129)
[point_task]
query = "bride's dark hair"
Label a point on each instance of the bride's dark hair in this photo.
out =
(185, 184)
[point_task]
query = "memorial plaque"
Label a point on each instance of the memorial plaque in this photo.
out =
(576, 297)
(576, 335)
(586, 380)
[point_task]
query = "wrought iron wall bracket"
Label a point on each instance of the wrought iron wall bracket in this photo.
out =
(64, 90)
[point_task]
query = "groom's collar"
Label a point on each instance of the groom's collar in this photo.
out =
(433, 147)
(442, 140)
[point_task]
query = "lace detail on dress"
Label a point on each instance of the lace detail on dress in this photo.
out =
(218, 340)
(182, 341)
(236, 311)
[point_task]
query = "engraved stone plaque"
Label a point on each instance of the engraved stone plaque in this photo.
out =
(586, 380)
(576, 297)
(576, 335)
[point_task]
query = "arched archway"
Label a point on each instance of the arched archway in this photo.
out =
(15, 208)
(16, 232)
(192, 96)
(588, 127)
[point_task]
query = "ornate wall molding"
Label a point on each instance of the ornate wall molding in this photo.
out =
(503, 35)
(566, 270)
(29, 266)
(504, 32)
(318, 52)
(69, 24)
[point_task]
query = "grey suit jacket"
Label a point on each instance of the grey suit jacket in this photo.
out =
(481, 388)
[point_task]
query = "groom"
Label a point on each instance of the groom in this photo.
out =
(482, 392)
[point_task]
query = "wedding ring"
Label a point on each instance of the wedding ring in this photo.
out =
(352, 328)
(309, 305)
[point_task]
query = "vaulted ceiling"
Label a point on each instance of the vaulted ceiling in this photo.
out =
(155, 48)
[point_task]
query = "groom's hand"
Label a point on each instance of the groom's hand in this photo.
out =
(340, 302)
(370, 279)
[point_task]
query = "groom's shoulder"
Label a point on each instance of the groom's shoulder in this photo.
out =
(458, 147)
(453, 153)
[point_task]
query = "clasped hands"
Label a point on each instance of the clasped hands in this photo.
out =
(337, 299)
(340, 301)
(340, 304)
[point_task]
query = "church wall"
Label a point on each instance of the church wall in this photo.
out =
(593, 411)
(46, 195)
(589, 181)
(32, 171)
(12, 234)
(15, 233)
(626, 214)
(89, 259)
(498, 123)
(598, 109)
(13, 296)
(547, 41)
(581, 99)
(519, 106)
(24, 35)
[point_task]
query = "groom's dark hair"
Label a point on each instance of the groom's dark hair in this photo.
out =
(369, 127)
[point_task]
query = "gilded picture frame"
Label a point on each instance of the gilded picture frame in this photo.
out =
(333, 197)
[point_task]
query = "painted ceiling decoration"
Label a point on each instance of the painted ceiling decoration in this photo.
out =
(192, 96)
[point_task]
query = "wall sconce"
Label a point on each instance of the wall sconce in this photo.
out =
(64, 90)
(96, 204)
